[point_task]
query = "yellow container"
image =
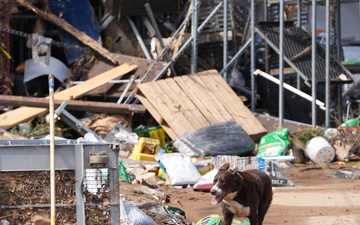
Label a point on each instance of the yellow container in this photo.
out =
(153, 132)
(145, 149)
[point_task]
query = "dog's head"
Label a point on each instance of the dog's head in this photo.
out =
(226, 184)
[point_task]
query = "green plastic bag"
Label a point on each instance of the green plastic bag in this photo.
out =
(275, 143)
(215, 219)
(122, 172)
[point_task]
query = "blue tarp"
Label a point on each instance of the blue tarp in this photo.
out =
(79, 14)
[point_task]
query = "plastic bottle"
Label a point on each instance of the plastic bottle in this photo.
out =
(351, 122)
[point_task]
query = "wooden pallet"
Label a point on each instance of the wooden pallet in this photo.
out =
(186, 103)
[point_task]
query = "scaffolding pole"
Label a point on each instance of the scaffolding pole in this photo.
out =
(327, 65)
(252, 55)
(187, 43)
(281, 64)
(194, 33)
(225, 39)
(313, 62)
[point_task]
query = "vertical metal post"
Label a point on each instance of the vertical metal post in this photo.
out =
(158, 34)
(225, 40)
(281, 64)
(113, 176)
(338, 52)
(338, 29)
(194, 27)
(327, 65)
(298, 13)
(313, 62)
(298, 81)
(140, 40)
(252, 53)
(266, 45)
(52, 150)
(79, 174)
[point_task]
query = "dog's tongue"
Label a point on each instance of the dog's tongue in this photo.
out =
(216, 200)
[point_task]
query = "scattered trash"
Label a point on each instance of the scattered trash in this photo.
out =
(331, 133)
(146, 173)
(179, 167)
(122, 172)
(156, 132)
(342, 150)
(319, 150)
(132, 215)
(217, 220)
(355, 174)
(206, 181)
(351, 122)
(145, 149)
(275, 143)
(4, 222)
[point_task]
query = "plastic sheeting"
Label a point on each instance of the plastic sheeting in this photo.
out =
(132, 215)
(219, 139)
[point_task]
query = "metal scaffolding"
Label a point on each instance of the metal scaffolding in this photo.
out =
(280, 51)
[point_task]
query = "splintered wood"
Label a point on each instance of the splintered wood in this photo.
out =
(186, 103)
(23, 114)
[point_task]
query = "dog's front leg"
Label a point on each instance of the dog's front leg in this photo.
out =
(254, 220)
(228, 216)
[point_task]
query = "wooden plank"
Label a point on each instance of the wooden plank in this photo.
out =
(190, 104)
(152, 91)
(22, 114)
(78, 105)
(210, 91)
(240, 112)
(202, 94)
(210, 119)
(226, 99)
(186, 125)
(155, 114)
(186, 106)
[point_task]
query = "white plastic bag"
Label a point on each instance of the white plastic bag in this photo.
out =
(179, 167)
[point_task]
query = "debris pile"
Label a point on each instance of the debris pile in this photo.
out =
(181, 168)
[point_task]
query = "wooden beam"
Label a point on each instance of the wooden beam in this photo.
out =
(23, 114)
(78, 105)
(81, 36)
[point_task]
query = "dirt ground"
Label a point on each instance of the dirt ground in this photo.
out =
(316, 196)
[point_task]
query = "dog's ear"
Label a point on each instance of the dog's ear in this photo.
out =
(235, 170)
(226, 166)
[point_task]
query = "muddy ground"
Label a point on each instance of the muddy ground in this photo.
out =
(316, 196)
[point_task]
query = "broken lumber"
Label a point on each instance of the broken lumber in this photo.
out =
(78, 105)
(81, 36)
(23, 114)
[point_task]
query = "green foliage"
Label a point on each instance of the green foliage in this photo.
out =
(39, 128)
(306, 134)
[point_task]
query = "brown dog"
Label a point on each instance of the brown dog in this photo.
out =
(243, 194)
